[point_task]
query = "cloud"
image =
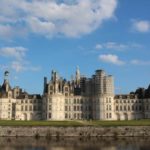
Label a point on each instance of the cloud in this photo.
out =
(110, 58)
(54, 18)
(17, 66)
(141, 26)
(140, 62)
(99, 46)
(18, 61)
(23, 66)
(117, 46)
(13, 52)
(6, 31)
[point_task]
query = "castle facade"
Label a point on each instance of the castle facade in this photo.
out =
(81, 98)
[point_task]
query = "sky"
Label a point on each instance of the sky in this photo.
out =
(37, 36)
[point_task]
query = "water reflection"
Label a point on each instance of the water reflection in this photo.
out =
(75, 143)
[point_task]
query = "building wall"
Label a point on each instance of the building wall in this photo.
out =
(79, 99)
(28, 109)
(129, 108)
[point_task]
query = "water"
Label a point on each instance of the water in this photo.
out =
(75, 144)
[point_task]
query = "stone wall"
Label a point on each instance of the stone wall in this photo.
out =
(74, 131)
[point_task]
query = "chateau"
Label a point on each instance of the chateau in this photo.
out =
(81, 98)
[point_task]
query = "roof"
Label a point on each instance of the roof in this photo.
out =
(125, 96)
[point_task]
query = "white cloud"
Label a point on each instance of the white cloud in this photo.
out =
(99, 46)
(52, 17)
(141, 26)
(17, 66)
(140, 62)
(23, 66)
(110, 58)
(13, 52)
(18, 59)
(117, 46)
(6, 31)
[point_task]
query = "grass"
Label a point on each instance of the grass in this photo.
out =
(143, 122)
(76, 123)
(39, 123)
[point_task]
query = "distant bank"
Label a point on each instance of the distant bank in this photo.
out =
(84, 131)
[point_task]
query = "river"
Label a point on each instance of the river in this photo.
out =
(26, 143)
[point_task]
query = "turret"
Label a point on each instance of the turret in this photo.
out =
(45, 85)
(99, 82)
(6, 85)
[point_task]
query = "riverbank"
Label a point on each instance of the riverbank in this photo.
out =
(85, 131)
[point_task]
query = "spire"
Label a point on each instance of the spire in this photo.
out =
(77, 76)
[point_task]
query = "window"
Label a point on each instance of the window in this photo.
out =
(66, 94)
(86, 108)
(26, 108)
(69, 108)
(90, 108)
(125, 108)
(120, 108)
(77, 108)
(69, 101)
(21, 108)
(78, 116)
(30, 108)
(51, 88)
(66, 89)
(140, 108)
(129, 108)
(109, 107)
(117, 108)
(50, 115)
(34, 107)
(39, 108)
(66, 101)
(109, 100)
(66, 115)
(50, 107)
(109, 115)
(106, 100)
(66, 108)
(74, 108)
(136, 108)
(146, 107)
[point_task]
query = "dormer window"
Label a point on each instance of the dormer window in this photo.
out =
(66, 89)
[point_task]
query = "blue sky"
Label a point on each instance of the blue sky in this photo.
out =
(38, 36)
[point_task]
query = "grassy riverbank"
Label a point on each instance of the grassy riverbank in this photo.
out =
(76, 123)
